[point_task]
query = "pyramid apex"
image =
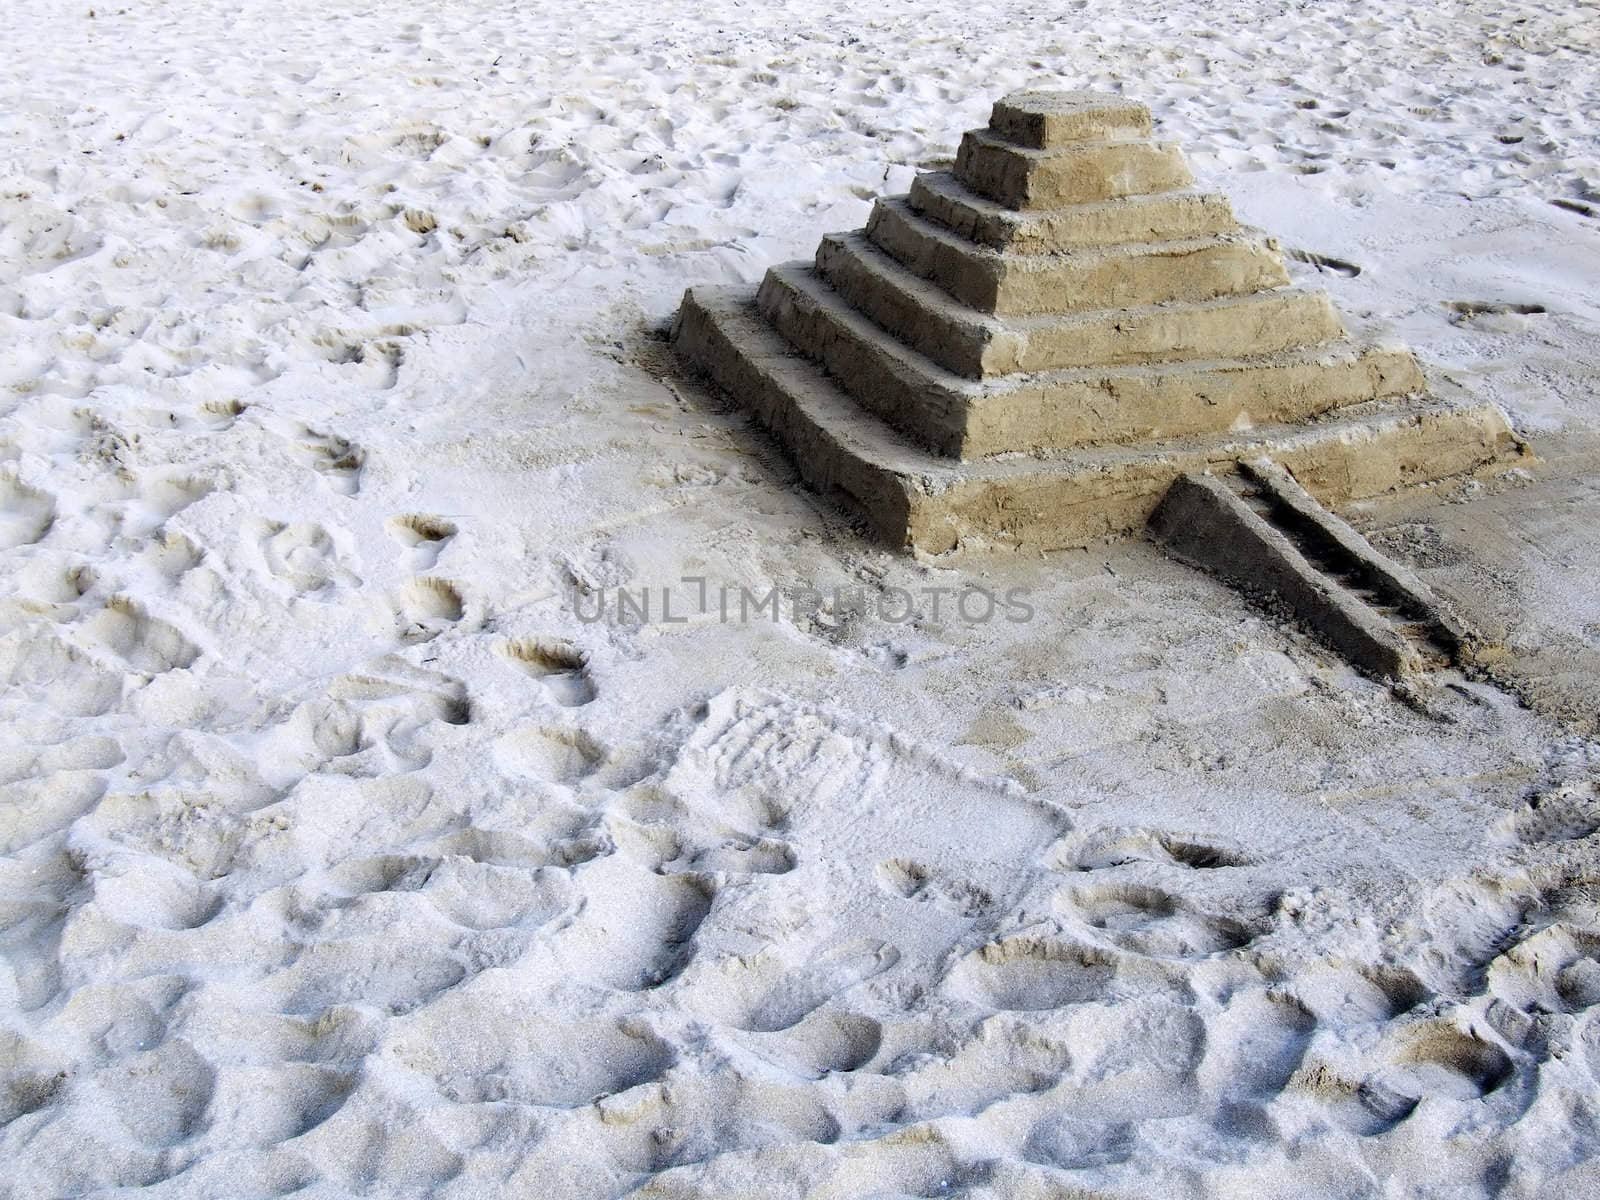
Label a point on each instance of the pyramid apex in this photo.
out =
(1040, 118)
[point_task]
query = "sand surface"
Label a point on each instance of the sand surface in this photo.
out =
(340, 855)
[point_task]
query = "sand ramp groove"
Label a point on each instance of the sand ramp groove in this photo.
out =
(1262, 532)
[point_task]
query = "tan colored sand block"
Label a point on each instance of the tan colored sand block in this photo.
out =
(916, 500)
(1053, 410)
(1042, 119)
(979, 346)
(943, 199)
(1118, 276)
(1077, 173)
(1204, 522)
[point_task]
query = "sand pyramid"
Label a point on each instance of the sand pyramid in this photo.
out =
(1028, 350)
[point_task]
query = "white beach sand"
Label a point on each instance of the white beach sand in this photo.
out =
(341, 857)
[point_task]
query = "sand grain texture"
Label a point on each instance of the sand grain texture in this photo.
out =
(339, 856)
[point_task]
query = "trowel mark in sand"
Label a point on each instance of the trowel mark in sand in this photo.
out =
(425, 536)
(560, 666)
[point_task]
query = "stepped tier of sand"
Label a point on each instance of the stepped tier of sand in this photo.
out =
(1029, 349)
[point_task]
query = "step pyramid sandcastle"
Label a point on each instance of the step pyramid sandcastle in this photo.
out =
(1028, 350)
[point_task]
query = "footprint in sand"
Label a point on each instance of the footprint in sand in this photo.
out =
(1433, 1059)
(1566, 813)
(1150, 921)
(337, 459)
(302, 555)
(1469, 925)
(58, 675)
(911, 880)
(157, 896)
(423, 535)
(198, 830)
(365, 725)
(634, 929)
(740, 855)
(765, 993)
(1345, 994)
(887, 656)
(1255, 1045)
(1557, 970)
(554, 755)
(560, 666)
(50, 580)
(559, 1061)
(171, 557)
(135, 506)
(219, 415)
(143, 644)
(1030, 973)
(422, 610)
(1101, 849)
(26, 513)
(159, 1097)
(821, 1043)
(471, 894)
